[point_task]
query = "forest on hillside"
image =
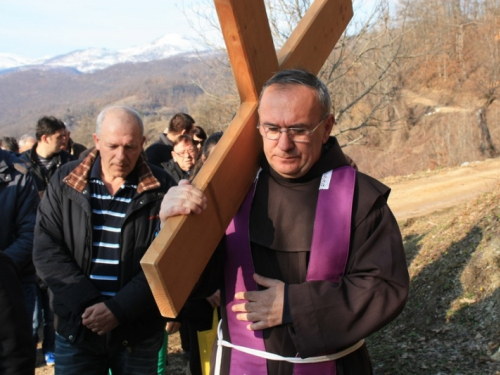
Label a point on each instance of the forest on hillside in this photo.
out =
(414, 83)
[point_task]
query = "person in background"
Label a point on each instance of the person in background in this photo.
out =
(19, 200)
(26, 142)
(198, 313)
(70, 146)
(43, 159)
(207, 149)
(46, 156)
(9, 144)
(314, 257)
(184, 156)
(17, 354)
(161, 151)
(199, 137)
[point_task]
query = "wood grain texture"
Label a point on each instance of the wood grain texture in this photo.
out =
(315, 36)
(249, 43)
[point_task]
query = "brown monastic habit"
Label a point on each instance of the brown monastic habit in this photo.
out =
(177, 257)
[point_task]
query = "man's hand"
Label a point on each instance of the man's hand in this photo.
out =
(214, 299)
(182, 199)
(264, 308)
(172, 327)
(99, 319)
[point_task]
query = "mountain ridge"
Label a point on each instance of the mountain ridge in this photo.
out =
(93, 59)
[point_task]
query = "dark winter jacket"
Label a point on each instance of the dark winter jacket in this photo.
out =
(19, 200)
(17, 354)
(75, 149)
(63, 249)
(175, 171)
(41, 176)
(160, 151)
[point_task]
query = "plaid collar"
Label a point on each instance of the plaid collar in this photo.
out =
(79, 177)
(131, 180)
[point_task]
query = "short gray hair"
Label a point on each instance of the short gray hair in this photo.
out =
(24, 138)
(130, 111)
(304, 78)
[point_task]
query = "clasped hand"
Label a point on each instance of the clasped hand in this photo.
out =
(99, 319)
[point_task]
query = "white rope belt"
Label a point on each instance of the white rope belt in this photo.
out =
(275, 357)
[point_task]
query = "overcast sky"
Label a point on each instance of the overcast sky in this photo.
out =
(35, 28)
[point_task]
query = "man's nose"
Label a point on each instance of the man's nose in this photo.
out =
(284, 142)
(120, 153)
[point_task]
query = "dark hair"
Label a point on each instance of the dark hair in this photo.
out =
(48, 125)
(210, 142)
(304, 78)
(183, 138)
(199, 132)
(180, 121)
(10, 144)
(207, 146)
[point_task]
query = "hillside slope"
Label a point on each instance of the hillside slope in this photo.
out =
(451, 322)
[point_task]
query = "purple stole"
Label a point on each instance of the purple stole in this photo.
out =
(327, 261)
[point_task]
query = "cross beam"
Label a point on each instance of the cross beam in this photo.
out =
(182, 249)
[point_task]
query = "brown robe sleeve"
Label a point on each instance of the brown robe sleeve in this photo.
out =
(327, 316)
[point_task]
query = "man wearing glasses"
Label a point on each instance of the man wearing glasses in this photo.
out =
(160, 151)
(184, 156)
(321, 264)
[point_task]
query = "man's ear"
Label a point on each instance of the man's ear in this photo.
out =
(329, 122)
(96, 141)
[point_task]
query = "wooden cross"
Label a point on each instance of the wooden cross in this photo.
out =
(182, 249)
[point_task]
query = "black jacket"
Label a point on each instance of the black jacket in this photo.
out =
(19, 200)
(63, 249)
(75, 149)
(160, 151)
(175, 171)
(42, 177)
(17, 354)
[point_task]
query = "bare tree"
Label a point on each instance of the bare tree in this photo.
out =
(487, 83)
(360, 72)
(462, 42)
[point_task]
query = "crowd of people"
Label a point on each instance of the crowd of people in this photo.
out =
(312, 263)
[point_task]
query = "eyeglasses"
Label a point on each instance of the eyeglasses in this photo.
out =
(295, 134)
(188, 152)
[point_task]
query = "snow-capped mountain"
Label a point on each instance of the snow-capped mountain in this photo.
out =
(93, 59)
(8, 61)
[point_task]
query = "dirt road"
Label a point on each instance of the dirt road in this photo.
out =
(420, 194)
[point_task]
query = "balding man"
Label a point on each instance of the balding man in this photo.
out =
(96, 220)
